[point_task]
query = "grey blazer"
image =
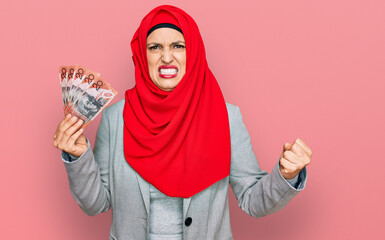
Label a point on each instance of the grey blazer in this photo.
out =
(101, 179)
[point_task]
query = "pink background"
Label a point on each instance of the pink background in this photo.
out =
(307, 69)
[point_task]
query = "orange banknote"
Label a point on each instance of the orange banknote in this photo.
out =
(84, 93)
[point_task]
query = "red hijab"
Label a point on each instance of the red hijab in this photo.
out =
(179, 141)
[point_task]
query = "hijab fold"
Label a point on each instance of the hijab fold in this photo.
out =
(179, 141)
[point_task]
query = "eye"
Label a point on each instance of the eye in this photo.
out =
(179, 46)
(153, 47)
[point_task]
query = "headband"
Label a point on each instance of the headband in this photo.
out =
(162, 25)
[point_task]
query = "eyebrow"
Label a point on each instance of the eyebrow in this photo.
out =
(161, 44)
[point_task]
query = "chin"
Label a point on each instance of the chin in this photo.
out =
(167, 87)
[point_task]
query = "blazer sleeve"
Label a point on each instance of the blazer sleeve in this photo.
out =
(258, 193)
(89, 174)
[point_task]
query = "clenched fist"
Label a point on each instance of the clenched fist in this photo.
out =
(69, 136)
(294, 158)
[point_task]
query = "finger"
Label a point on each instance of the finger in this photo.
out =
(58, 133)
(298, 150)
(66, 124)
(70, 131)
(287, 146)
(60, 124)
(67, 118)
(287, 166)
(292, 157)
(73, 139)
(305, 146)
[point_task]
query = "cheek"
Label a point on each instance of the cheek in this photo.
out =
(182, 60)
(152, 70)
(151, 62)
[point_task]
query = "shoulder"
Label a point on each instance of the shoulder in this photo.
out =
(232, 111)
(237, 126)
(116, 107)
(114, 112)
(231, 107)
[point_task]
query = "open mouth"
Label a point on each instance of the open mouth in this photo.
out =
(168, 71)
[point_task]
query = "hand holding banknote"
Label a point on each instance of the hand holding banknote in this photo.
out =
(69, 136)
(84, 96)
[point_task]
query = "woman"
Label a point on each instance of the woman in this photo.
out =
(164, 155)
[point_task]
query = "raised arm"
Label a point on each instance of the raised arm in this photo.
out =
(258, 193)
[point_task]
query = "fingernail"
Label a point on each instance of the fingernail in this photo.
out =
(80, 121)
(68, 115)
(74, 118)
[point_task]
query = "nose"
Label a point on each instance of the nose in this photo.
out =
(167, 55)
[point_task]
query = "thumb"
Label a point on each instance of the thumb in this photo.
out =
(287, 146)
(82, 140)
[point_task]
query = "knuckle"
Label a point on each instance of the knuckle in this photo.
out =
(61, 124)
(294, 146)
(66, 133)
(60, 130)
(61, 146)
(73, 137)
(65, 126)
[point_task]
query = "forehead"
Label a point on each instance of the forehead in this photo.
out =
(165, 35)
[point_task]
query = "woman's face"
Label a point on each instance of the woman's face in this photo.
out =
(166, 57)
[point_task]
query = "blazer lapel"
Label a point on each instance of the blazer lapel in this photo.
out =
(145, 189)
(186, 205)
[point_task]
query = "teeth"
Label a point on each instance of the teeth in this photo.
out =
(168, 71)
